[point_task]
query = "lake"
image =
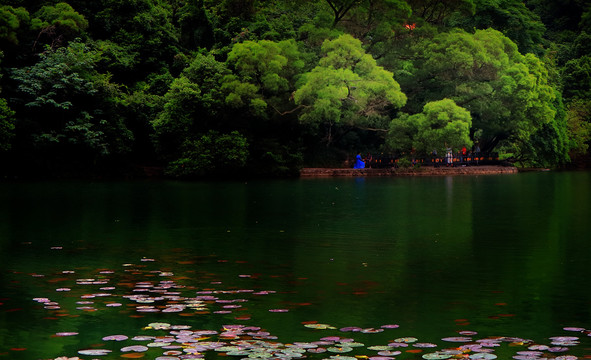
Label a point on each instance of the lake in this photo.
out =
(341, 268)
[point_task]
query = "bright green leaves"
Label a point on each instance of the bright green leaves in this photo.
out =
(508, 94)
(263, 70)
(13, 21)
(442, 124)
(346, 87)
(61, 19)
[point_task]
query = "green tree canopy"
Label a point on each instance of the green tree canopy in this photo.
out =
(442, 124)
(263, 71)
(60, 23)
(511, 17)
(507, 93)
(191, 104)
(69, 103)
(347, 87)
(12, 21)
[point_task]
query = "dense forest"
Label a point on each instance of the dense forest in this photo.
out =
(247, 87)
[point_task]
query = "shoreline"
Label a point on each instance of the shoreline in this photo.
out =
(419, 171)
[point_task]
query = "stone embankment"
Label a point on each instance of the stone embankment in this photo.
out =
(419, 171)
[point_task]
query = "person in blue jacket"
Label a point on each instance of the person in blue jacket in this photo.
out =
(359, 163)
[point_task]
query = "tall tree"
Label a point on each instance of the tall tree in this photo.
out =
(511, 17)
(68, 107)
(60, 23)
(440, 125)
(348, 88)
(507, 93)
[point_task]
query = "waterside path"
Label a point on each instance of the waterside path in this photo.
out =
(419, 171)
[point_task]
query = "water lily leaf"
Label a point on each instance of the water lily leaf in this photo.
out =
(330, 338)
(391, 326)
(389, 353)
(319, 326)
(135, 348)
(457, 339)
(483, 356)
(115, 338)
(350, 328)
(574, 329)
(238, 353)
(94, 352)
(397, 344)
(467, 332)
(538, 347)
(379, 347)
(340, 349)
(436, 356)
(353, 343)
(406, 340)
(159, 326)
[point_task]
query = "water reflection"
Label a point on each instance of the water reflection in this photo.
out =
(496, 254)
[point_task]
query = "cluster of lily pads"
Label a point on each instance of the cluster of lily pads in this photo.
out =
(164, 341)
(242, 341)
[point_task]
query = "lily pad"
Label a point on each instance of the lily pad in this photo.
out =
(66, 334)
(406, 340)
(487, 356)
(115, 338)
(457, 339)
(424, 345)
(159, 326)
(135, 348)
(397, 344)
(389, 353)
(350, 328)
(330, 338)
(99, 352)
(379, 347)
(538, 347)
(319, 326)
(436, 356)
(354, 344)
(574, 329)
(390, 326)
(340, 349)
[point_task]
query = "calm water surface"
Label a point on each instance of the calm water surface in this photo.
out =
(497, 255)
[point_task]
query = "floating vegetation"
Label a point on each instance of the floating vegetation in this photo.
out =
(165, 297)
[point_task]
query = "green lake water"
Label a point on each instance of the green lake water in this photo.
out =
(498, 256)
